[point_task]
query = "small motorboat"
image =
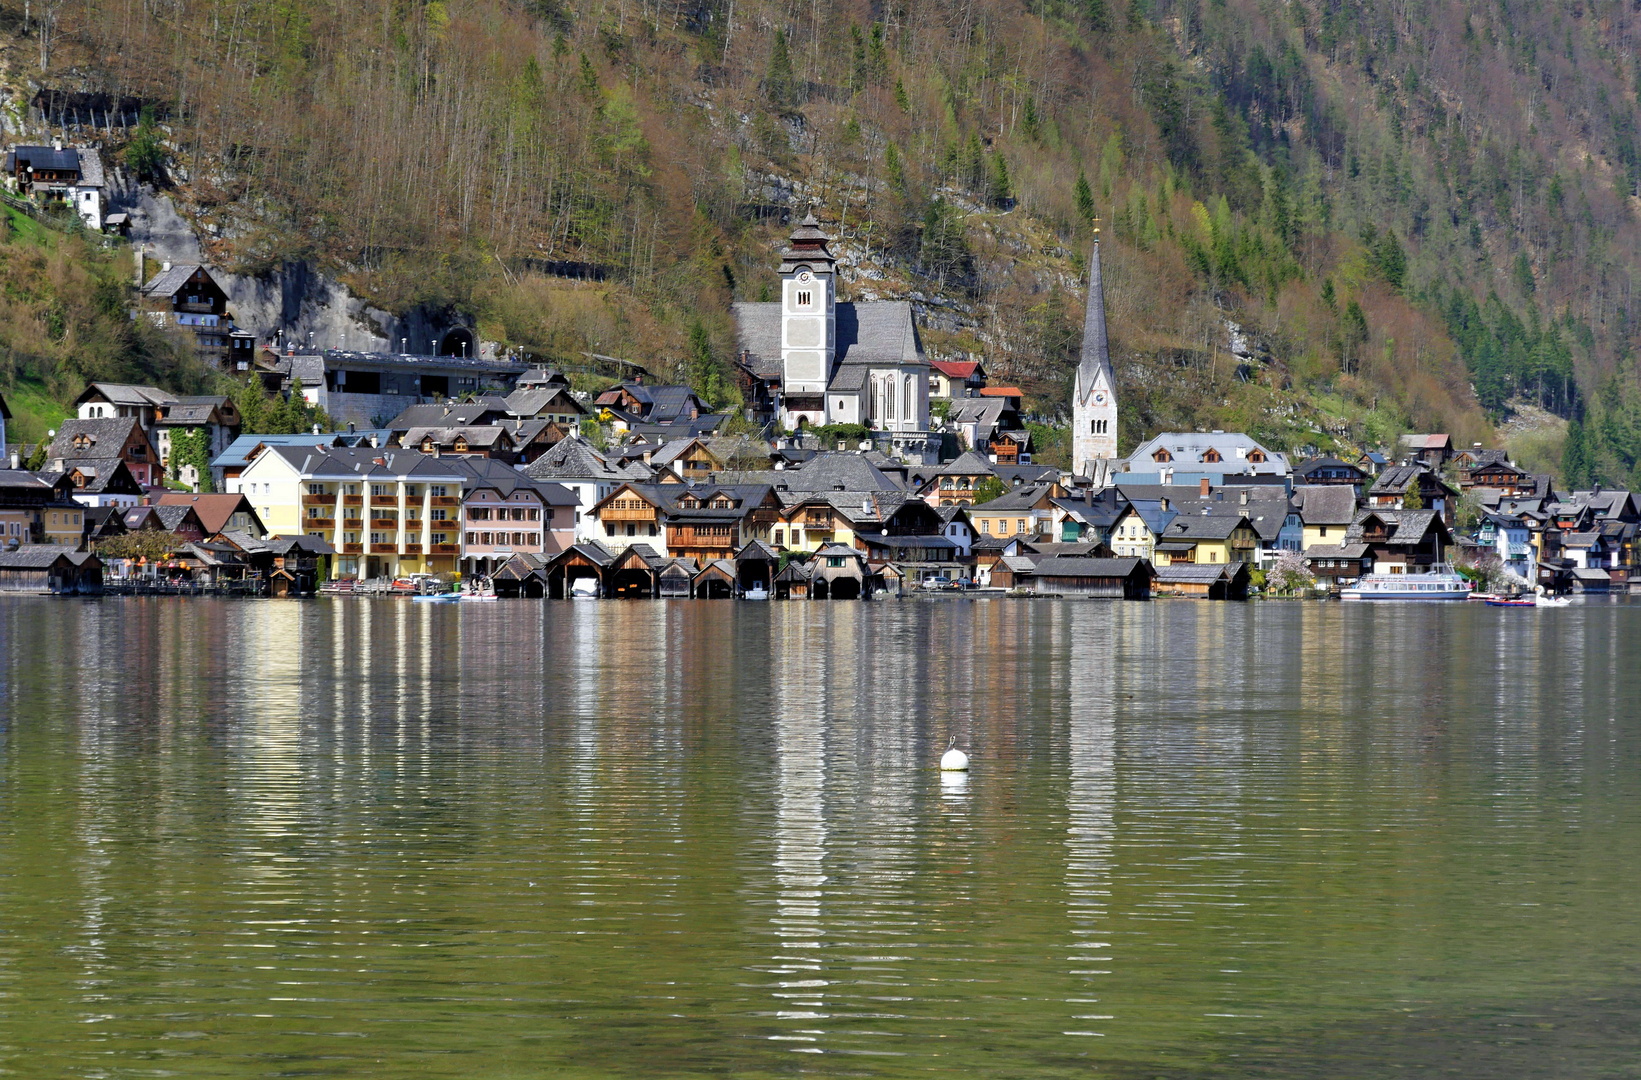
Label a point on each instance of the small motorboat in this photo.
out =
(1511, 601)
(438, 598)
(757, 592)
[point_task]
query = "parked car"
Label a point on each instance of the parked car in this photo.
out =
(940, 581)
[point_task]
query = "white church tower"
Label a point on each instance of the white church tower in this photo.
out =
(809, 324)
(1094, 395)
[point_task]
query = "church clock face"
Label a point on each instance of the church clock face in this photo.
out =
(804, 277)
(1099, 399)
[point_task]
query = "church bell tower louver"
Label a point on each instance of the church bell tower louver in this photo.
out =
(1094, 395)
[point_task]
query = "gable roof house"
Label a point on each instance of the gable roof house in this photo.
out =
(1325, 511)
(185, 295)
(591, 475)
(1180, 455)
(219, 513)
(950, 379)
(1390, 489)
(954, 483)
(115, 438)
(1026, 510)
(1401, 541)
(70, 174)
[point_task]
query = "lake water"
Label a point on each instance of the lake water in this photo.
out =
(522, 839)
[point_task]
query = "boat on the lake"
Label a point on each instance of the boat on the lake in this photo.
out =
(1440, 584)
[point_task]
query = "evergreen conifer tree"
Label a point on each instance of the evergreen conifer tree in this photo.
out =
(1084, 196)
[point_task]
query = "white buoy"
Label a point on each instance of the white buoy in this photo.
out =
(954, 760)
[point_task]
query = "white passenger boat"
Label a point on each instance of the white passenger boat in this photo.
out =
(1440, 584)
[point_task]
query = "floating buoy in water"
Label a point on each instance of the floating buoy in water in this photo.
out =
(954, 760)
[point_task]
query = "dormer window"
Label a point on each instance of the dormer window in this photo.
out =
(83, 442)
(1256, 455)
(1212, 455)
(1162, 454)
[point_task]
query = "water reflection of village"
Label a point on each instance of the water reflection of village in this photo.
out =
(744, 798)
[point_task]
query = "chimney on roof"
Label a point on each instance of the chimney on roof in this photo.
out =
(14, 462)
(350, 427)
(164, 266)
(57, 144)
(1165, 504)
(1205, 487)
(316, 429)
(1244, 499)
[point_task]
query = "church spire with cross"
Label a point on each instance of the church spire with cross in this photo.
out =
(1094, 394)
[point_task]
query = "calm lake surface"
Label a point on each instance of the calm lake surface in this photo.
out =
(702, 838)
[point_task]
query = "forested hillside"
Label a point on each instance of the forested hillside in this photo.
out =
(1424, 212)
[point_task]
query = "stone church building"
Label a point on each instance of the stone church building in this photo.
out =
(838, 363)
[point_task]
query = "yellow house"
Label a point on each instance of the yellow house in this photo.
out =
(64, 523)
(814, 522)
(1135, 533)
(387, 512)
(1325, 512)
(1208, 539)
(1026, 511)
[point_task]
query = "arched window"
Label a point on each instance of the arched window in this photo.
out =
(894, 400)
(910, 400)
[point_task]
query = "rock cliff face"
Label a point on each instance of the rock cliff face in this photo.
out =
(296, 302)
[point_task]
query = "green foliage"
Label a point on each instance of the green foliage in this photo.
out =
(780, 85)
(1000, 190)
(829, 435)
(191, 447)
(1098, 14)
(1386, 259)
(943, 252)
(1411, 499)
(1083, 196)
(1577, 464)
(264, 414)
(708, 374)
(989, 489)
(146, 545)
(144, 155)
(1509, 357)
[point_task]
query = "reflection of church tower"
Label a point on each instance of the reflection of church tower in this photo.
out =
(1094, 396)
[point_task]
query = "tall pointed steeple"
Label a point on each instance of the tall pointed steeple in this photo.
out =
(1094, 396)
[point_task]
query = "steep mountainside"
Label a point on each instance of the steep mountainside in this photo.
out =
(1416, 213)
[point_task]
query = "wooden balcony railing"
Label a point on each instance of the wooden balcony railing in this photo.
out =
(383, 549)
(353, 549)
(444, 500)
(353, 500)
(328, 524)
(384, 500)
(319, 500)
(442, 549)
(413, 549)
(385, 524)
